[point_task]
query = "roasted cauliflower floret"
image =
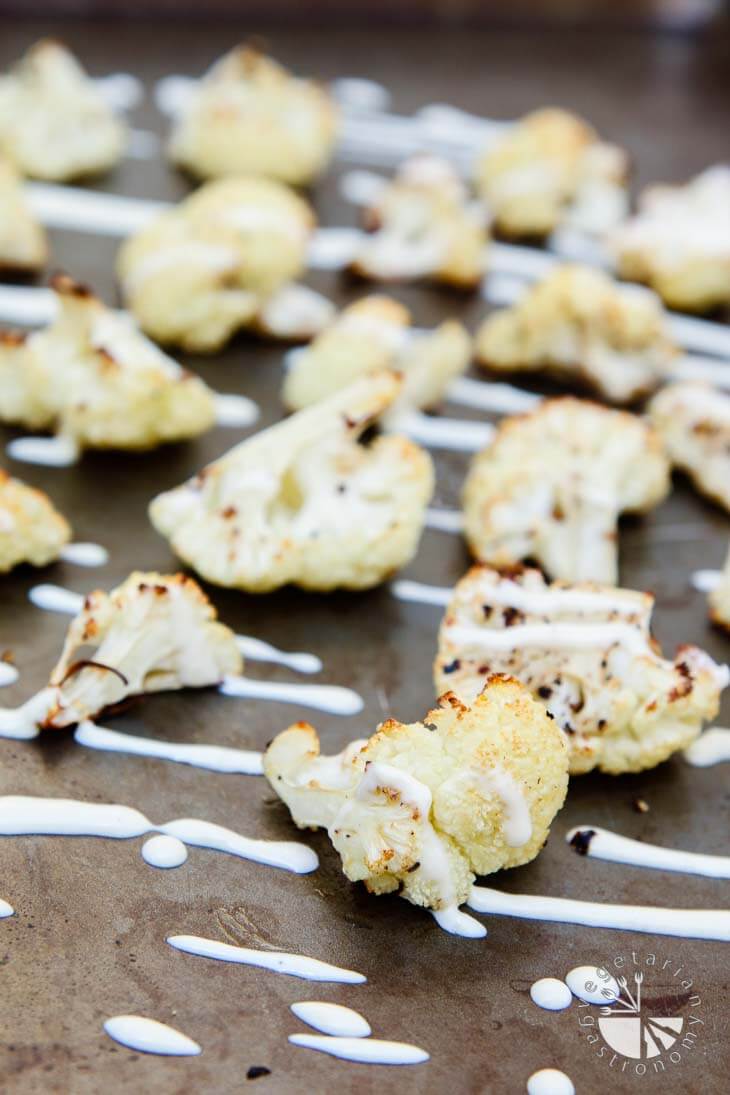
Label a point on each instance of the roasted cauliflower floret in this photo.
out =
(23, 244)
(249, 116)
(423, 808)
(220, 261)
(153, 633)
(694, 422)
(679, 242)
(719, 599)
(54, 123)
(580, 323)
(551, 169)
(31, 529)
(96, 380)
(373, 334)
(424, 225)
(552, 484)
(303, 502)
(587, 653)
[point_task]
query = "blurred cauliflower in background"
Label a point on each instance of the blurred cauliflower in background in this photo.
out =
(693, 420)
(719, 599)
(23, 243)
(31, 530)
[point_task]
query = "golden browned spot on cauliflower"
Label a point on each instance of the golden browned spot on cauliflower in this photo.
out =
(54, 123)
(679, 242)
(423, 808)
(551, 169)
(303, 502)
(586, 652)
(424, 225)
(222, 260)
(249, 116)
(694, 421)
(23, 244)
(719, 599)
(31, 530)
(552, 484)
(95, 379)
(374, 334)
(153, 633)
(578, 322)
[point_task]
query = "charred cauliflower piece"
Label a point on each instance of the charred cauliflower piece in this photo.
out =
(54, 124)
(249, 116)
(424, 808)
(551, 169)
(153, 633)
(580, 323)
(719, 599)
(96, 380)
(303, 502)
(220, 261)
(552, 484)
(586, 652)
(694, 422)
(423, 225)
(679, 242)
(374, 334)
(23, 244)
(31, 530)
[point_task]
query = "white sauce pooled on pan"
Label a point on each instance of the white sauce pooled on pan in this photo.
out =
(486, 396)
(50, 452)
(372, 1051)
(149, 1036)
(325, 697)
(550, 1081)
(332, 1019)
(22, 722)
(456, 922)
(706, 580)
(235, 411)
(712, 747)
(445, 520)
(458, 435)
(56, 599)
(164, 851)
(294, 965)
(260, 651)
(593, 985)
(214, 758)
(8, 674)
(5, 909)
(603, 844)
(551, 994)
(417, 592)
(84, 554)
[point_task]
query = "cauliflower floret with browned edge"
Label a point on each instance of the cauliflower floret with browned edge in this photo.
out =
(579, 323)
(552, 484)
(679, 242)
(153, 633)
(424, 225)
(719, 598)
(249, 116)
(586, 652)
(31, 529)
(373, 334)
(425, 807)
(23, 243)
(97, 381)
(693, 420)
(304, 502)
(54, 123)
(222, 260)
(551, 169)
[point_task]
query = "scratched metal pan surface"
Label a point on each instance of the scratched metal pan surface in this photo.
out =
(88, 940)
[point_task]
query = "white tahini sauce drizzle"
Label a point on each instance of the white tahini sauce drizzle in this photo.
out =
(332, 1019)
(373, 1051)
(540, 601)
(575, 636)
(56, 599)
(712, 747)
(173, 93)
(551, 994)
(85, 554)
(294, 965)
(362, 187)
(333, 248)
(21, 723)
(26, 815)
(458, 435)
(50, 452)
(259, 651)
(686, 923)
(84, 210)
(550, 1081)
(593, 984)
(324, 697)
(8, 674)
(164, 851)
(120, 90)
(150, 1036)
(485, 396)
(27, 305)
(706, 580)
(235, 411)
(604, 844)
(5, 909)
(359, 94)
(456, 922)
(445, 520)
(214, 758)
(406, 590)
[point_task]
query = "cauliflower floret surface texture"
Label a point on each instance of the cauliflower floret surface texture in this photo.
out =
(552, 484)
(304, 502)
(423, 808)
(31, 529)
(694, 422)
(587, 654)
(23, 244)
(719, 598)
